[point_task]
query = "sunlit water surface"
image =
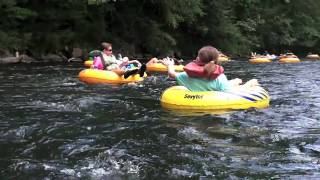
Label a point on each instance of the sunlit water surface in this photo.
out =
(54, 126)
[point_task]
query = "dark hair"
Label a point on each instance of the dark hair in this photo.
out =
(209, 55)
(105, 45)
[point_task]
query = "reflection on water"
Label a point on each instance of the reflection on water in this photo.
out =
(53, 126)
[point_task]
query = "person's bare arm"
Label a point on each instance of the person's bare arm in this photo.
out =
(135, 61)
(170, 65)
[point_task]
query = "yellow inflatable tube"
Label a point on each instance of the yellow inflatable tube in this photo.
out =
(180, 98)
(289, 60)
(88, 63)
(259, 60)
(313, 56)
(158, 67)
(94, 76)
(223, 58)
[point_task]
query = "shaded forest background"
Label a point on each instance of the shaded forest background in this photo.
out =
(143, 28)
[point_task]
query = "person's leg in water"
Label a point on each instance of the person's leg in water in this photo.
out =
(130, 69)
(115, 68)
(142, 70)
(125, 72)
(118, 71)
(130, 72)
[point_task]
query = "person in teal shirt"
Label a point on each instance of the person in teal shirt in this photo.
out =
(203, 81)
(221, 83)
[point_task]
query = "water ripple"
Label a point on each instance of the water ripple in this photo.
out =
(53, 126)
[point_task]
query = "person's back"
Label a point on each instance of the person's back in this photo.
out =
(203, 84)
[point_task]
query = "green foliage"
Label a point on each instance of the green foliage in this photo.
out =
(97, 2)
(19, 13)
(160, 26)
(179, 11)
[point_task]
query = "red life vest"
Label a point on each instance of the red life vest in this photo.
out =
(196, 69)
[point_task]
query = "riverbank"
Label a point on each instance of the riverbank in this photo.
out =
(67, 55)
(28, 59)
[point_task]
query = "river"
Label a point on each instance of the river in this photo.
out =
(52, 126)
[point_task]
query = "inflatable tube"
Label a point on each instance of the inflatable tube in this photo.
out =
(180, 98)
(88, 63)
(313, 56)
(260, 60)
(223, 58)
(289, 60)
(158, 67)
(95, 76)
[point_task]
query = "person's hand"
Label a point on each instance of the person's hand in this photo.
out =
(168, 62)
(135, 62)
(125, 59)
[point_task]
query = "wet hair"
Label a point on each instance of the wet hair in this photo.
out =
(105, 45)
(209, 55)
